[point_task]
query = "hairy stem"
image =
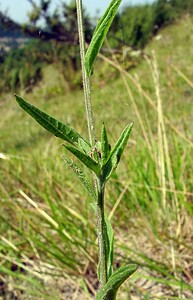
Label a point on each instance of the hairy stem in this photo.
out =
(101, 227)
(86, 80)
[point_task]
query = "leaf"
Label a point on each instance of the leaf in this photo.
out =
(110, 246)
(84, 158)
(116, 153)
(109, 290)
(50, 124)
(100, 34)
(84, 146)
(105, 147)
(82, 177)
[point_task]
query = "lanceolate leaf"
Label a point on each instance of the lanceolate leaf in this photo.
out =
(100, 34)
(82, 177)
(109, 290)
(105, 147)
(110, 246)
(84, 146)
(85, 159)
(49, 123)
(103, 18)
(116, 153)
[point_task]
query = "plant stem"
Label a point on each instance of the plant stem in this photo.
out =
(86, 80)
(101, 226)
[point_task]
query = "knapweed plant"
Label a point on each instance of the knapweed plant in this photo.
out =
(99, 157)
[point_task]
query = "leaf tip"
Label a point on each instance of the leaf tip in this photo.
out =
(16, 96)
(18, 99)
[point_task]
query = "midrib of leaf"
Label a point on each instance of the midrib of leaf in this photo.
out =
(49, 123)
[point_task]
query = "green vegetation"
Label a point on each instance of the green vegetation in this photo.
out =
(47, 228)
(22, 68)
(98, 157)
(56, 42)
(141, 23)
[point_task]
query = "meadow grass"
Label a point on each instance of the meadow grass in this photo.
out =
(47, 228)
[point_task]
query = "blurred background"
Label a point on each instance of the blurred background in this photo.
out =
(143, 74)
(27, 27)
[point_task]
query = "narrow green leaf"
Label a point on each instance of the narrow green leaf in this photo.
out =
(82, 177)
(50, 124)
(109, 290)
(105, 147)
(116, 153)
(104, 16)
(110, 246)
(100, 34)
(84, 146)
(85, 159)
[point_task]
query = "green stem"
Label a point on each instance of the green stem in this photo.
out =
(101, 227)
(85, 78)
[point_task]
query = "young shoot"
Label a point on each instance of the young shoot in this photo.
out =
(100, 158)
